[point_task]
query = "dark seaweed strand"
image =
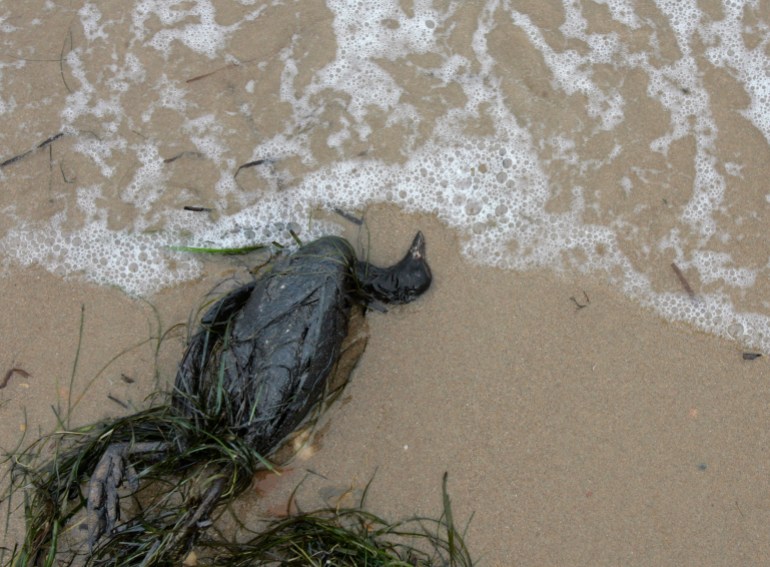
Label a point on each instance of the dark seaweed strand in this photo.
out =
(23, 155)
(15, 158)
(54, 494)
(173, 489)
(349, 537)
(254, 163)
(54, 489)
(348, 217)
(170, 508)
(8, 375)
(176, 497)
(683, 280)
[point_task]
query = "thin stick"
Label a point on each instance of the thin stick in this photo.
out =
(252, 164)
(120, 402)
(188, 153)
(348, 217)
(28, 153)
(224, 68)
(61, 58)
(10, 373)
(14, 159)
(49, 140)
(199, 77)
(683, 281)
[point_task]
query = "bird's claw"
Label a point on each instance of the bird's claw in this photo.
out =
(103, 505)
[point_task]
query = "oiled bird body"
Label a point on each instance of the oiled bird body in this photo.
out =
(265, 351)
(260, 361)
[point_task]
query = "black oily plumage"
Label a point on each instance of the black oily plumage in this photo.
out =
(263, 354)
(258, 364)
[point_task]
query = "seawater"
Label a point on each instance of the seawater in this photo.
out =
(613, 138)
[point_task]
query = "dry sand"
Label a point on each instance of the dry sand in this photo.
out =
(591, 436)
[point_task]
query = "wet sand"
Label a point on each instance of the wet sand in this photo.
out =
(574, 436)
(576, 427)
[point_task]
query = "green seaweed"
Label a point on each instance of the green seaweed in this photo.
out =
(346, 537)
(179, 480)
(219, 251)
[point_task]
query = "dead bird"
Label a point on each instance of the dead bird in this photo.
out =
(259, 363)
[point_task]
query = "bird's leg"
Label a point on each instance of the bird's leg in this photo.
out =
(103, 505)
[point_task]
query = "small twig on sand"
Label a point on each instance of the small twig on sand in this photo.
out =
(120, 402)
(226, 67)
(62, 56)
(223, 68)
(254, 163)
(190, 154)
(579, 305)
(41, 145)
(8, 375)
(683, 281)
(348, 217)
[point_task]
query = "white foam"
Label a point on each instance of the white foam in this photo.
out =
(139, 264)
(131, 72)
(7, 106)
(5, 27)
(716, 266)
(494, 190)
(89, 19)
(727, 49)
(148, 182)
(204, 36)
(623, 12)
(572, 71)
(192, 24)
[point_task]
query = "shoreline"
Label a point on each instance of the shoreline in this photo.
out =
(591, 435)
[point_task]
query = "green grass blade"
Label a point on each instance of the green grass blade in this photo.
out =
(218, 251)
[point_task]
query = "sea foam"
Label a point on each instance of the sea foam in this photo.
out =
(511, 126)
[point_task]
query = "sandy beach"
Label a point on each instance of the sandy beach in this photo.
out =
(577, 425)
(574, 436)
